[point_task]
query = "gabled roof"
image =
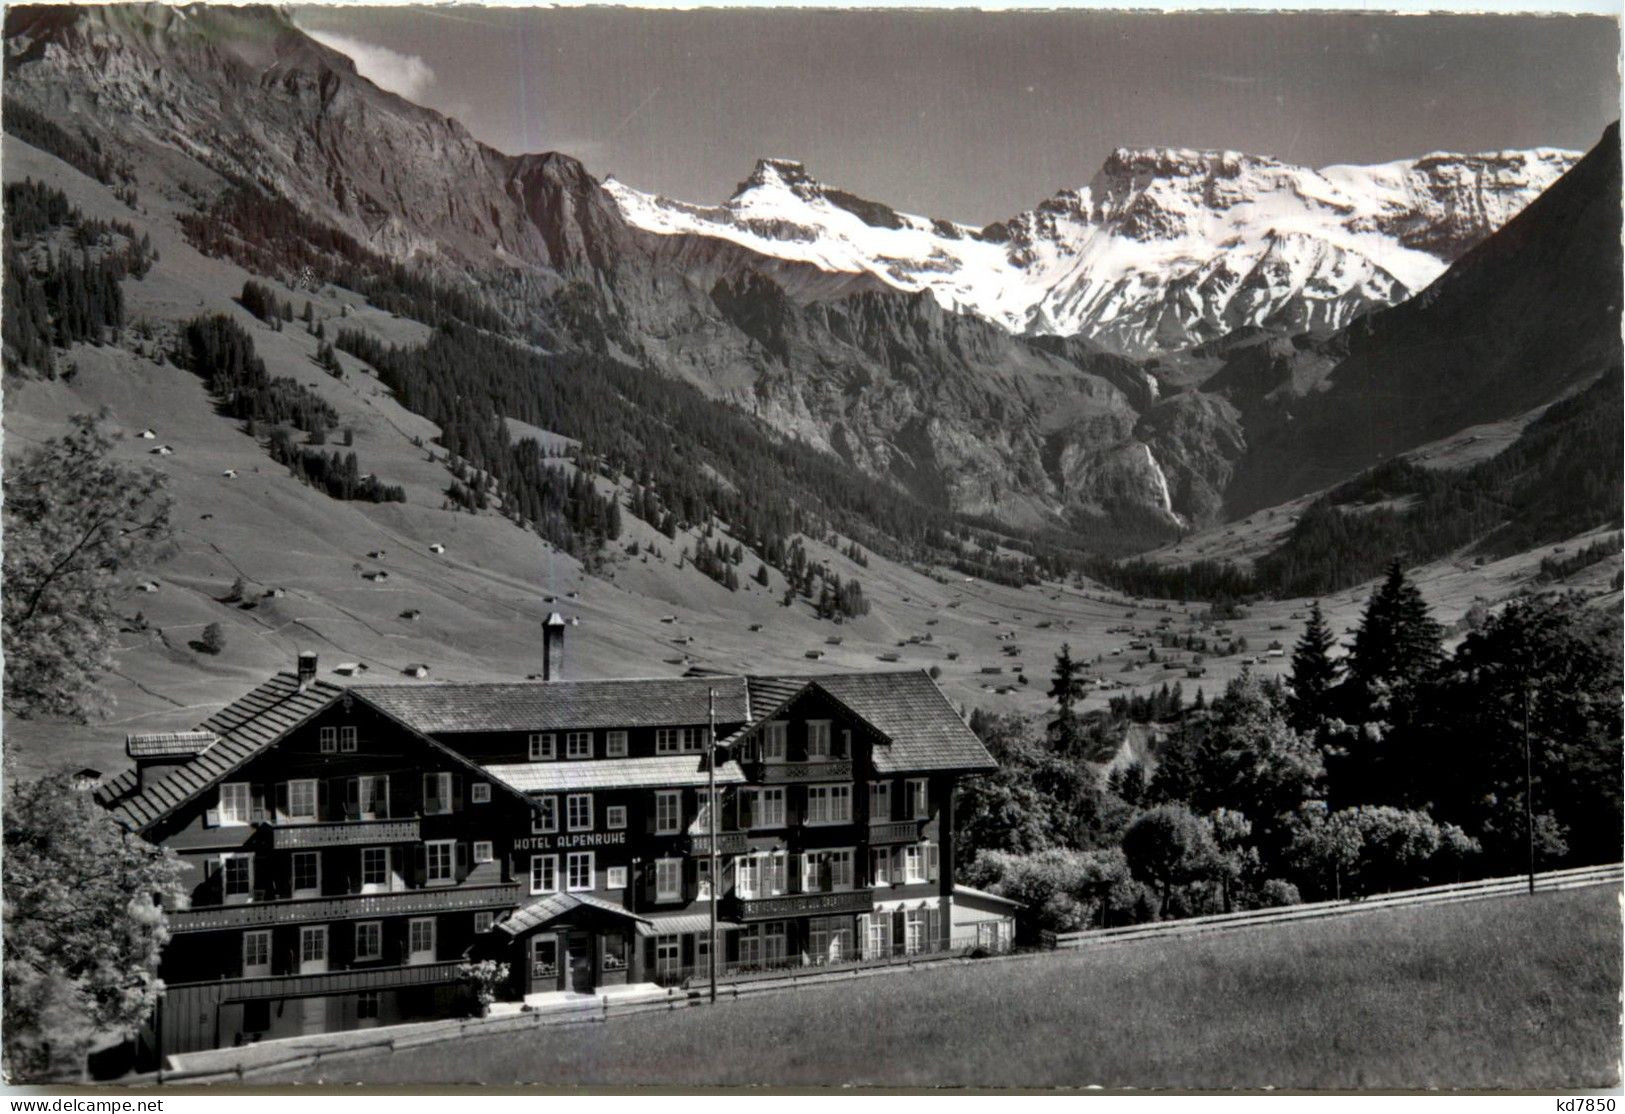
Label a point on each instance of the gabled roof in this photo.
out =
(665, 772)
(169, 744)
(554, 906)
(243, 728)
(446, 708)
(921, 729)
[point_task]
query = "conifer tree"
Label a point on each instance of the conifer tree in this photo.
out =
(1066, 688)
(1398, 642)
(1314, 672)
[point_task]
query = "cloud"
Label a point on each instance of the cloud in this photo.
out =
(406, 74)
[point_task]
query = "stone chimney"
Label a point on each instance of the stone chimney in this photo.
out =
(307, 669)
(553, 648)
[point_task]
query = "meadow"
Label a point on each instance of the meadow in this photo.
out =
(1510, 993)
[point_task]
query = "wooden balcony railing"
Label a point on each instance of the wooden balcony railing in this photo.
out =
(894, 831)
(801, 905)
(332, 982)
(728, 843)
(344, 907)
(833, 769)
(344, 833)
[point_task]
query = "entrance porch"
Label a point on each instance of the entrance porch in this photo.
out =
(571, 944)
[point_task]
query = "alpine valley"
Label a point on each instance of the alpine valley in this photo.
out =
(730, 406)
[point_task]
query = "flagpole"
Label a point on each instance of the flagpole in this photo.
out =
(711, 790)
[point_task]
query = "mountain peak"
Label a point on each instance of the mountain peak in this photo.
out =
(790, 174)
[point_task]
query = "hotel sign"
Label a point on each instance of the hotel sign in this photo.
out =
(569, 841)
(802, 904)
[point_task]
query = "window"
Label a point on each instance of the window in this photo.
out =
(256, 954)
(918, 798)
(668, 879)
(330, 740)
(920, 863)
(676, 740)
(483, 851)
(615, 878)
(829, 939)
(374, 870)
(480, 793)
(544, 955)
(578, 744)
(877, 944)
(702, 877)
(545, 818)
(312, 946)
(773, 942)
(371, 796)
(880, 866)
(773, 748)
(366, 1005)
(484, 921)
(544, 874)
(879, 802)
(668, 812)
(440, 862)
(541, 748)
(817, 739)
(615, 744)
(765, 874)
(420, 940)
(347, 740)
(767, 809)
(829, 804)
(307, 874)
(578, 811)
(235, 803)
(914, 932)
(826, 871)
(578, 871)
(436, 794)
(237, 877)
(302, 799)
(369, 940)
(615, 817)
(668, 955)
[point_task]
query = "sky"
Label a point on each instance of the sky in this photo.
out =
(976, 116)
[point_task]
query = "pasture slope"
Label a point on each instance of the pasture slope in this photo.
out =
(481, 601)
(1508, 993)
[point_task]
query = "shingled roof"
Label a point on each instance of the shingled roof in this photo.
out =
(664, 772)
(921, 729)
(554, 906)
(243, 728)
(169, 744)
(447, 708)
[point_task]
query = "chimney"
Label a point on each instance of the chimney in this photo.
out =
(553, 647)
(307, 669)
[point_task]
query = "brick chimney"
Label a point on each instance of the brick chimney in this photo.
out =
(553, 648)
(307, 669)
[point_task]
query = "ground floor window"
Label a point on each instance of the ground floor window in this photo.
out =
(877, 944)
(615, 951)
(544, 956)
(366, 1005)
(914, 932)
(773, 950)
(668, 955)
(420, 940)
(829, 939)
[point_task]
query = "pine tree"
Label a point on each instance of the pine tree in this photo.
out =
(1066, 689)
(1314, 672)
(1398, 642)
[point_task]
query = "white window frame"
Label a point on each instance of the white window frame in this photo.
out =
(239, 792)
(759, 812)
(773, 942)
(571, 822)
(442, 795)
(544, 874)
(914, 929)
(668, 954)
(376, 887)
(916, 863)
(668, 811)
(484, 921)
(315, 801)
(484, 851)
(363, 930)
(479, 793)
(577, 745)
(879, 802)
(571, 861)
(313, 932)
(416, 956)
(821, 802)
(256, 943)
(880, 866)
(917, 792)
(328, 740)
(226, 896)
(615, 817)
(367, 797)
(669, 879)
(543, 747)
(702, 878)
(818, 740)
(348, 743)
(544, 816)
(615, 878)
(775, 745)
(430, 846)
(293, 873)
(615, 744)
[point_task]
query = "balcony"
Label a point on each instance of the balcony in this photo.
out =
(345, 907)
(893, 831)
(802, 905)
(728, 843)
(344, 833)
(778, 773)
(333, 982)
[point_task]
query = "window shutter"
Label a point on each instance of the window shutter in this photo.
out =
(321, 801)
(456, 792)
(863, 936)
(931, 861)
(898, 862)
(933, 928)
(794, 805)
(746, 802)
(257, 795)
(462, 861)
(281, 799)
(899, 932)
(420, 864)
(352, 798)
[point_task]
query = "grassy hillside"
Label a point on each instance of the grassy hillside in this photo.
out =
(1514, 993)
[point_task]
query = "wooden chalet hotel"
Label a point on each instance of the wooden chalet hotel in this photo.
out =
(350, 846)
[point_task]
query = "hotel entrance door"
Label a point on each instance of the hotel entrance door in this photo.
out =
(579, 949)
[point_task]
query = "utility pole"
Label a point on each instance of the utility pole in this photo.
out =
(711, 800)
(1528, 788)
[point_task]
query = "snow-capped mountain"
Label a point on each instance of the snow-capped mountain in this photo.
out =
(1162, 250)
